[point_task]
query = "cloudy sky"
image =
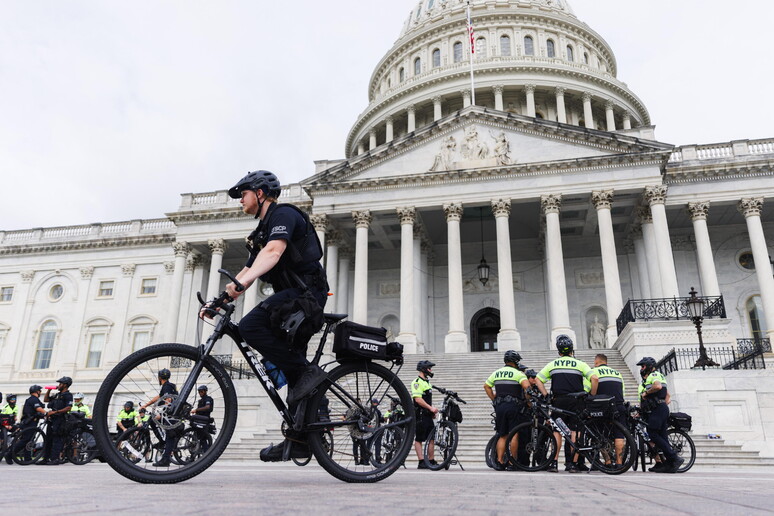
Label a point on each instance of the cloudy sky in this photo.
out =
(110, 110)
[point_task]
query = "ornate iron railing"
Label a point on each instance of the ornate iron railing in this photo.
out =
(749, 346)
(667, 309)
(237, 370)
(748, 354)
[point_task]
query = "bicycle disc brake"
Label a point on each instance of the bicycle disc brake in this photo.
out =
(364, 427)
(164, 419)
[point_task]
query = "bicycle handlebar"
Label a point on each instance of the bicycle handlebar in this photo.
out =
(449, 393)
(223, 298)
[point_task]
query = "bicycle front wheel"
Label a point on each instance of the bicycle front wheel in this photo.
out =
(600, 436)
(83, 449)
(490, 454)
(351, 425)
(530, 446)
(28, 446)
(445, 438)
(683, 446)
(136, 379)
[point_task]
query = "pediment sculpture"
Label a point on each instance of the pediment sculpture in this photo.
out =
(473, 153)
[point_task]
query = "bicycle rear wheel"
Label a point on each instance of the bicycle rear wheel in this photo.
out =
(83, 449)
(135, 445)
(445, 437)
(683, 446)
(28, 446)
(490, 454)
(538, 450)
(600, 437)
(135, 379)
(353, 424)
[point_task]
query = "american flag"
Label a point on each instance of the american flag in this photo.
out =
(472, 35)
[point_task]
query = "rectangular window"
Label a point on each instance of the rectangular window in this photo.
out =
(148, 287)
(140, 340)
(6, 294)
(45, 349)
(106, 288)
(96, 345)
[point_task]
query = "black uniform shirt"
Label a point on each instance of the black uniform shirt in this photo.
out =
(203, 402)
(30, 407)
(59, 401)
(167, 388)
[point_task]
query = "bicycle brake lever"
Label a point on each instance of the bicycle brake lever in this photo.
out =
(199, 297)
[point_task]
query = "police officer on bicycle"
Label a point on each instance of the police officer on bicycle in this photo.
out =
(506, 387)
(60, 404)
(566, 374)
(654, 400)
(422, 392)
(609, 382)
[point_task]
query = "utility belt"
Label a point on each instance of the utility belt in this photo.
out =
(649, 404)
(499, 400)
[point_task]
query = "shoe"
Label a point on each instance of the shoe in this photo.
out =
(274, 452)
(660, 467)
(498, 466)
(422, 465)
(582, 467)
(433, 462)
(676, 464)
(572, 468)
(553, 467)
(311, 377)
(163, 462)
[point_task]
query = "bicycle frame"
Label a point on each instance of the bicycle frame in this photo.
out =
(549, 411)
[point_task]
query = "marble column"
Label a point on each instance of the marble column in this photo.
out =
(407, 335)
(656, 197)
(332, 269)
(456, 340)
(360, 296)
(603, 201)
(559, 311)
(388, 130)
(610, 115)
(651, 252)
(561, 110)
(709, 276)
(498, 93)
(508, 337)
(588, 115)
(360, 148)
(437, 112)
(116, 348)
(417, 289)
(425, 297)
(342, 296)
(529, 90)
(465, 98)
(320, 223)
(411, 111)
(751, 209)
(173, 315)
(642, 262)
(217, 249)
(372, 139)
(627, 120)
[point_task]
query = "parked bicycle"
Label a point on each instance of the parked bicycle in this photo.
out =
(677, 433)
(389, 440)
(28, 445)
(597, 431)
(445, 436)
(350, 379)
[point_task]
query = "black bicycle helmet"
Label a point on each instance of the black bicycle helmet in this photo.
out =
(164, 374)
(530, 373)
(511, 356)
(65, 380)
(424, 367)
(649, 364)
(35, 388)
(258, 180)
(202, 388)
(521, 367)
(129, 405)
(564, 345)
(10, 397)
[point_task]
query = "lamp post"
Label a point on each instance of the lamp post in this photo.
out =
(695, 306)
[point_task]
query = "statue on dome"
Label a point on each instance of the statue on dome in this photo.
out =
(502, 148)
(443, 159)
(471, 147)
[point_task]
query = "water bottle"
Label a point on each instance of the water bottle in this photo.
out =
(562, 427)
(275, 373)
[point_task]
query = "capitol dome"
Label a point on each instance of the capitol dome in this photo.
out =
(533, 58)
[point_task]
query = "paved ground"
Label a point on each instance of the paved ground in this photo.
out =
(238, 488)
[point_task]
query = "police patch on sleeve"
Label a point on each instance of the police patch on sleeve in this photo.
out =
(279, 230)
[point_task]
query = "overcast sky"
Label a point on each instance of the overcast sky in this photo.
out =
(110, 110)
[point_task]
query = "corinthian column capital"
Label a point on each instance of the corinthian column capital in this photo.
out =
(698, 210)
(655, 194)
(319, 221)
(501, 207)
(602, 199)
(452, 211)
(362, 218)
(550, 203)
(217, 245)
(750, 206)
(181, 249)
(407, 215)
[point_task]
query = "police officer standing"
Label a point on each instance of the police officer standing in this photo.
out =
(10, 408)
(654, 400)
(566, 374)
(505, 387)
(60, 404)
(32, 411)
(422, 392)
(204, 409)
(609, 382)
(166, 395)
(79, 407)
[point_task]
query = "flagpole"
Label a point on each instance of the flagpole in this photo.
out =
(472, 51)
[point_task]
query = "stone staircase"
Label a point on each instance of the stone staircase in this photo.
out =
(466, 374)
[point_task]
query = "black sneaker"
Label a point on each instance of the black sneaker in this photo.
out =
(660, 467)
(572, 468)
(422, 465)
(311, 377)
(582, 467)
(273, 452)
(553, 467)
(498, 466)
(675, 465)
(163, 462)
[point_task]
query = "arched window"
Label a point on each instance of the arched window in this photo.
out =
(754, 308)
(436, 58)
(586, 57)
(529, 46)
(481, 47)
(505, 45)
(457, 52)
(401, 75)
(550, 48)
(417, 66)
(46, 340)
(430, 4)
(570, 56)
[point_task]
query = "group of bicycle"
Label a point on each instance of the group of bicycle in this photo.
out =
(60, 433)
(586, 410)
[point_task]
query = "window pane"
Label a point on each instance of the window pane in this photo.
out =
(505, 46)
(46, 341)
(105, 288)
(56, 292)
(140, 340)
(481, 47)
(529, 47)
(417, 66)
(96, 344)
(550, 48)
(570, 56)
(402, 75)
(6, 294)
(148, 286)
(436, 58)
(457, 52)
(755, 312)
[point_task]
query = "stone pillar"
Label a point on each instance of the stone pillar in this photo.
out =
(529, 90)
(173, 315)
(360, 148)
(603, 201)
(651, 252)
(412, 118)
(508, 337)
(417, 288)
(559, 312)
(372, 139)
(588, 115)
(437, 112)
(320, 223)
(250, 297)
(642, 262)
(217, 249)
(456, 340)
(627, 120)
(342, 295)
(332, 269)
(425, 295)
(388, 130)
(656, 197)
(751, 209)
(116, 348)
(360, 295)
(561, 110)
(407, 335)
(498, 93)
(610, 115)
(709, 277)
(465, 98)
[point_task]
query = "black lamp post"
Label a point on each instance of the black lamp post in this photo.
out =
(695, 306)
(483, 267)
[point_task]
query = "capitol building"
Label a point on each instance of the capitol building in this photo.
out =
(463, 219)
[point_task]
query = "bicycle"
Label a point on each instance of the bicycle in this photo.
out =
(28, 444)
(80, 446)
(445, 435)
(677, 433)
(350, 378)
(387, 442)
(490, 452)
(595, 441)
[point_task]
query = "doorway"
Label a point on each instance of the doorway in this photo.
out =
(484, 327)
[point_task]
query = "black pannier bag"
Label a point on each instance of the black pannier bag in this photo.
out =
(681, 420)
(455, 413)
(601, 407)
(352, 340)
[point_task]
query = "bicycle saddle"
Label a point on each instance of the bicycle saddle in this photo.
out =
(332, 318)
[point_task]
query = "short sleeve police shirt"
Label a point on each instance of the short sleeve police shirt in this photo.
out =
(31, 406)
(167, 388)
(61, 400)
(203, 402)
(284, 222)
